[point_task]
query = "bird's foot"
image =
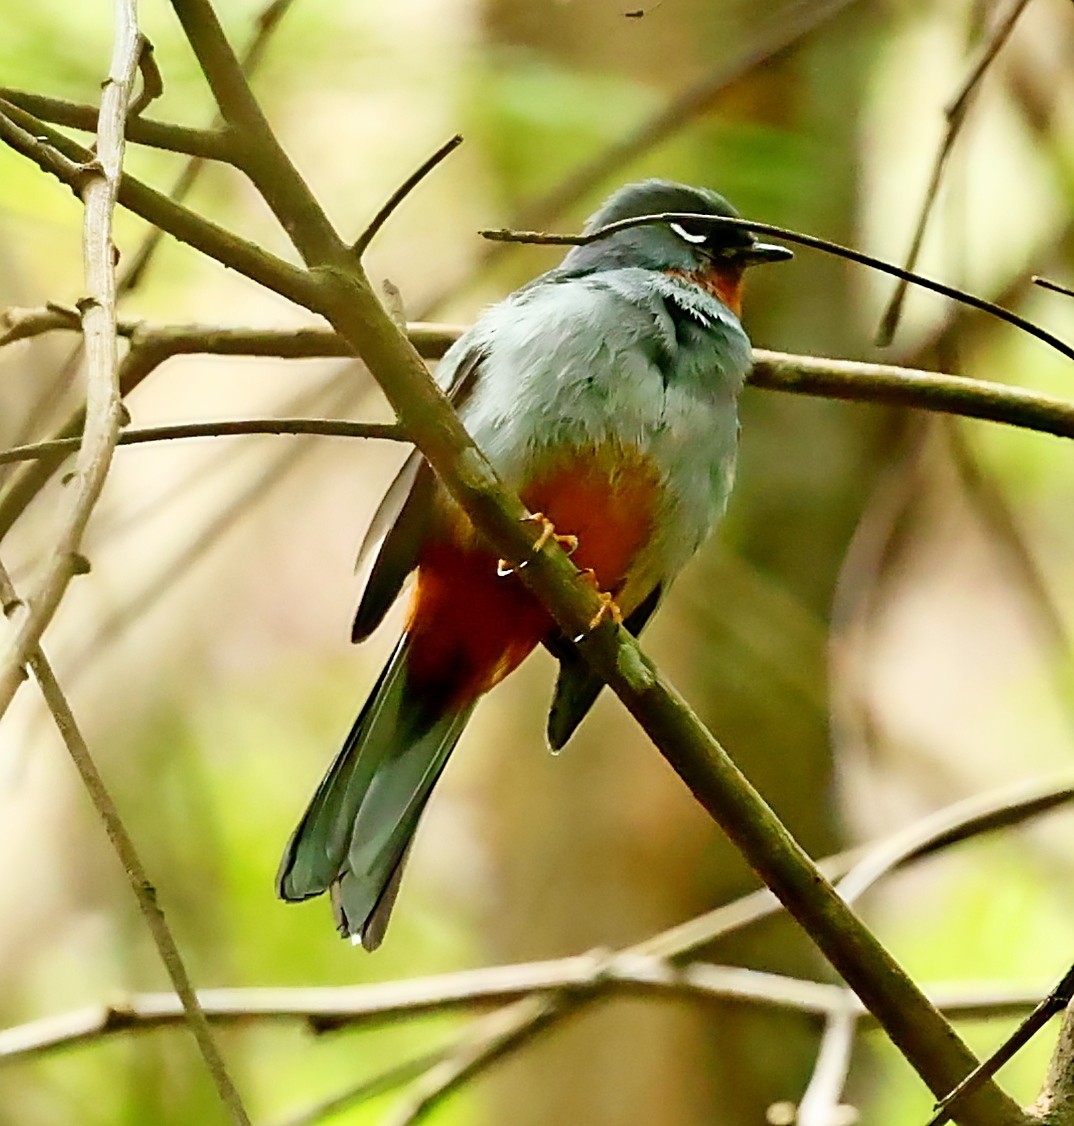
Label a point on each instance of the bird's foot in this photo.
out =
(609, 608)
(548, 532)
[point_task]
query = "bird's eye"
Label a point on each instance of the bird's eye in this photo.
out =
(694, 237)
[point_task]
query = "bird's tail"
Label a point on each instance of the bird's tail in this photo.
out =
(354, 837)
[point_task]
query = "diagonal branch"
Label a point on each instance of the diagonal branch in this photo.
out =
(258, 152)
(188, 1007)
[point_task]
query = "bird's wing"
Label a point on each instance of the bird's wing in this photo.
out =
(397, 530)
(577, 686)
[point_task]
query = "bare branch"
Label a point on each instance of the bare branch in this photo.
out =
(887, 384)
(401, 192)
(208, 144)
(822, 1102)
(259, 153)
(545, 238)
(186, 1000)
(99, 188)
(152, 80)
(1055, 287)
(1059, 1080)
(327, 427)
(955, 113)
(330, 1009)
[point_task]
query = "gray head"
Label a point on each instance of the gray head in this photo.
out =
(661, 246)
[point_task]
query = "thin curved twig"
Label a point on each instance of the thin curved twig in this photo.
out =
(326, 427)
(545, 238)
(402, 191)
(955, 116)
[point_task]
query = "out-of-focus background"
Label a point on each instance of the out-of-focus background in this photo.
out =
(878, 628)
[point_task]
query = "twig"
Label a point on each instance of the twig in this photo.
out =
(188, 1007)
(822, 1102)
(99, 188)
(401, 192)
(327, 427)
(642, 966)
(378, 1084)
(330, 1009)
(152, 81)
(258, 151)
(545, 238)
(57, 154)
(504, 1033)
(1056, 1001)
(207, 144)
(955, 114)
(493, 1037)
(984, 813)
(907, 387)
(885, 384)
(1055, 287)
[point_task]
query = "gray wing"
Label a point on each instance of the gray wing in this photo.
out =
(398, 527)
(577, 687)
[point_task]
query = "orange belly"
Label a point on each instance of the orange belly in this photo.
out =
(471, 627)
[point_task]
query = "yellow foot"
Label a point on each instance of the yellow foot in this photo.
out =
(609, 608)
(548, 532)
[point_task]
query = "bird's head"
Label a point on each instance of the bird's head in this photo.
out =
(714, 257)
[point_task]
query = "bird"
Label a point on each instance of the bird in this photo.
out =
(604, 392)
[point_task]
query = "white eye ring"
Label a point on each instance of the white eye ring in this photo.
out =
(683, 233)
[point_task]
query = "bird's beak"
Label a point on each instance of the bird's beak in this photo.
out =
(762, 252)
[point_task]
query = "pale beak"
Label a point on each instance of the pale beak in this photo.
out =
(761, 252)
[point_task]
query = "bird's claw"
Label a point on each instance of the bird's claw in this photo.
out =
(548, 532)
(609, 608)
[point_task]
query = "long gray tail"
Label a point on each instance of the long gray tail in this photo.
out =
(354, 837)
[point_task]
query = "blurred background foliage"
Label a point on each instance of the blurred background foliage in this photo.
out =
(878, 629)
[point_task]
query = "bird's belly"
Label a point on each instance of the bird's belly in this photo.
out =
(470, 625)
(609, 499)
